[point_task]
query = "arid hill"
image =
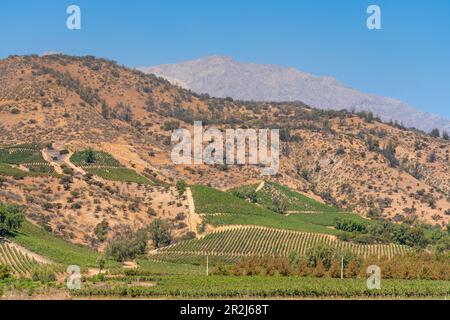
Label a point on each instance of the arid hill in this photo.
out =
(74, 103)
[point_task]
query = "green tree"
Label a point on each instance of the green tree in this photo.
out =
(101, 262)
(320, 252)
(445, 135)
(5, 272)
(181, 187)
(435, 133)
(416, 238)
(293, 259)
(279, 205)
(101, 230)
(160, 233)
(105, 110)
(128, 244)
(90, 156)
(2, 181)
(11, 219)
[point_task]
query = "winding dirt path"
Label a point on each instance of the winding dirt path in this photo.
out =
(194, 219)
(260, 187)
(67, 162)
(47, 157)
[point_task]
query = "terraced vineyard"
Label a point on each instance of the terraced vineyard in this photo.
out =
(119, 174)
(100, 159)
(294, 201)
(258, 241)
(28, 156)
(192, 258)
(46, 244)
(224, 208)
(105, 166)
(21, 263)
(21, 154)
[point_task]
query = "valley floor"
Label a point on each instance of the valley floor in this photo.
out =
(228, 287)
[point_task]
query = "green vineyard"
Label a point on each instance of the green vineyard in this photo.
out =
(99, 159)
(20, 263)
(225, 208)
(272, 192)
(258, 241)
(21, 154)
(26, 155)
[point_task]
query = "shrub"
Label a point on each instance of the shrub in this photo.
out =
(180, 216)
(171, 125)
(90, 156)
(435, 133)
(340, 151)
(105, 110)
(43, 274)
(101, 230)
(432, 157)
(181, 187)
(389, 153)
(160, 233)
(445, 135)
(128, 245)
(11, 219)
(188, 236)
(279, 205)
(321, 252)
(151, 212)
(5, 272)
(349, 226)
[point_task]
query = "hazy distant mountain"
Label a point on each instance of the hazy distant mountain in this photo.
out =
(224, 77)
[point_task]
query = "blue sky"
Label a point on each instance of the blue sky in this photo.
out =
(408, 59)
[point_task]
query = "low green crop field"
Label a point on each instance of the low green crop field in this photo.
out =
(120, 175)
(54, 248)
(195, 259)
(19, 262)
(9, 171)
(168, 268)
(265, 287)
(107, 167)
(20, 156)
(27, 146)
(209, 200)
(294, 201)
(41, 168)
(28, 155)
(223, 208)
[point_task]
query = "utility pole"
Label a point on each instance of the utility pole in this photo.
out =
(342, 267)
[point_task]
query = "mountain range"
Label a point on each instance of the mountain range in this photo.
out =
(223, 77)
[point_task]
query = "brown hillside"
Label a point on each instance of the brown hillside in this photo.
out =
(349, 160)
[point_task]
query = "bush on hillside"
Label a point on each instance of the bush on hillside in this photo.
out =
(11, 219)
(160, 233)
(127, 245)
